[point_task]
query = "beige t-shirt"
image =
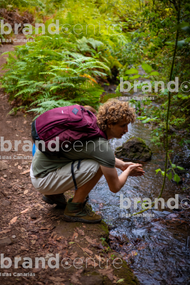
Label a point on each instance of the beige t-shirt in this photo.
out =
(97, 149)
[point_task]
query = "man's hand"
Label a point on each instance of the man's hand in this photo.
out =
(125, 165)
(115, 183)
(135, 169)
(138, 171)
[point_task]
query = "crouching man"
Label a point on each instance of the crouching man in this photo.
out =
(82, 166)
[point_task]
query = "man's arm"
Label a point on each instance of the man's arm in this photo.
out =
(114, 181)
(119, 163)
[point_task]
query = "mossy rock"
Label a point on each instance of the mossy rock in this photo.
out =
(134, 149)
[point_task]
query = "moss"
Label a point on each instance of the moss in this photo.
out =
(94, 273)
(139, 139)
(122, 273)
(119, 148)
(126, 274)
(104, 227)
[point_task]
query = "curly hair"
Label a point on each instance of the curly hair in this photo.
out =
(114, 111)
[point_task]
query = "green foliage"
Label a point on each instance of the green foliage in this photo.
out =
(68, 65)
(171, 171)
(48, 104)
(37, 73)
(154, 44)
(21, 3)
(95, 38)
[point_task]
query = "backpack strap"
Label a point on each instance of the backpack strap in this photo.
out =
(72, 171)
(34, 132)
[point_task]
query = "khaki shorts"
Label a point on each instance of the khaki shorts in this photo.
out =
(61, 180)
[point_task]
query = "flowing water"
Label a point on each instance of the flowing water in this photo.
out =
(156, 245)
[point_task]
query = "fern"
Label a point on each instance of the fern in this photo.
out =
(66, 66)
(48, 105)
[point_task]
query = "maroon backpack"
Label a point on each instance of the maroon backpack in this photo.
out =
(63, 126)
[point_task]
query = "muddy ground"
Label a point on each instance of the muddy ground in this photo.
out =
(71, 253)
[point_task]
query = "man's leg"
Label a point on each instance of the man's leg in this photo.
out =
(76, 211)
(57, 182)
(58, 199)
(82, 192)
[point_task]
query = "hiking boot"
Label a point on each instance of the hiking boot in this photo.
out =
(58, 199)
(79, 212)
(86, 204)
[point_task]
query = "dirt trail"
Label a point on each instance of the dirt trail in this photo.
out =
(30, 228)
(8, 47)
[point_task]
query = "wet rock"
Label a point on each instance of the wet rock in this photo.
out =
(182, 197)
(134, 149)
(3, 165)
(171, 216)
(183, 160)
(161, 213)
(5, 241)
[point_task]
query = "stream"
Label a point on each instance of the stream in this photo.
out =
(156, 244)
